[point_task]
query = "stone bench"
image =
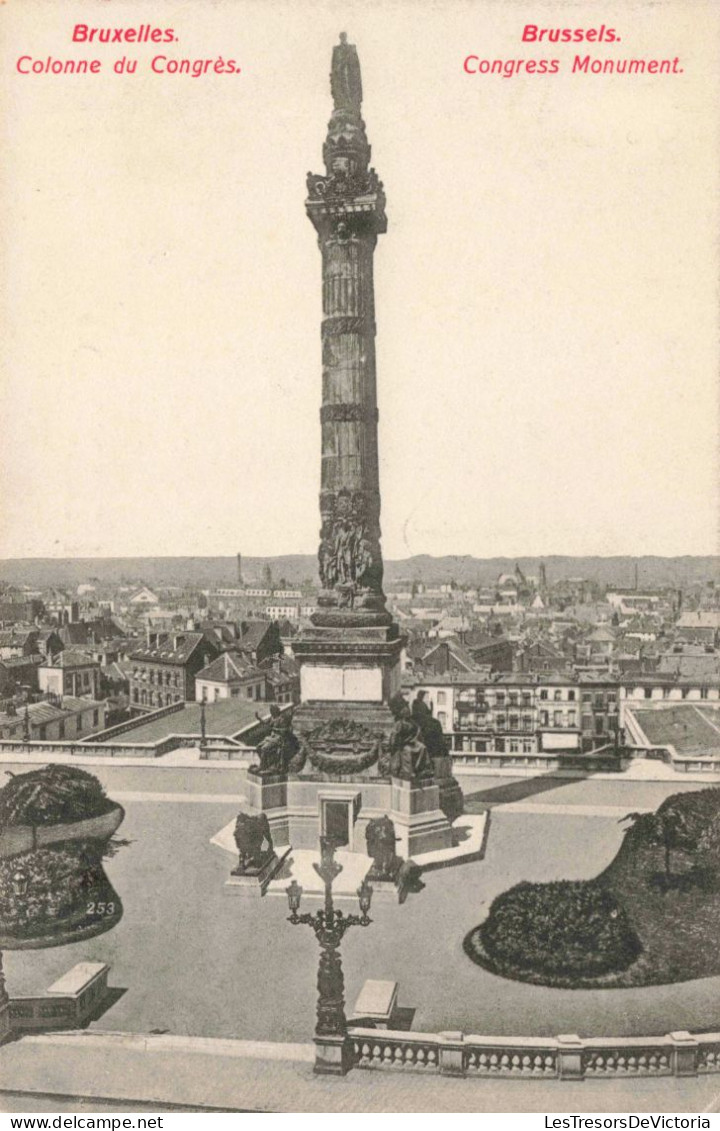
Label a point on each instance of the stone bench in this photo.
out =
(67, 1004)
(376, 1004)
(83, 986)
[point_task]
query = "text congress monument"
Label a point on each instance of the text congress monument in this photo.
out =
(353, 751)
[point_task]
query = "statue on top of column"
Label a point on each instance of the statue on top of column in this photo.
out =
(345, 81)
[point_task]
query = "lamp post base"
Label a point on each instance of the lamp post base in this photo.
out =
(333, 1055)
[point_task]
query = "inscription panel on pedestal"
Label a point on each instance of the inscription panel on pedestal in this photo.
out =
(350, 684)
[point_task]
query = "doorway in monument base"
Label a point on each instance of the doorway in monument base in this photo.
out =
(338, 811)
(336, 822)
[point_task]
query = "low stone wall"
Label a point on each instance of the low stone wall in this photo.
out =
(697, 765)
(134, 723)
(566, 1057)
(94, 749)
(601, 763)
(243, 754)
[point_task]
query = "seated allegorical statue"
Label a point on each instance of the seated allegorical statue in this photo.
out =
(408, 755)
(431, 730)
(280, 751)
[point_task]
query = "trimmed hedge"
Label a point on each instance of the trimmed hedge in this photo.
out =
(562, 929)
(51, 795)
(650, 918)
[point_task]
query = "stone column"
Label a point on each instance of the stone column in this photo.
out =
(347, 208)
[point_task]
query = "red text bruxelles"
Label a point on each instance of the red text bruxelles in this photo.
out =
(145, 33)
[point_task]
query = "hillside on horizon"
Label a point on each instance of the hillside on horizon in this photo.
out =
(294, 568)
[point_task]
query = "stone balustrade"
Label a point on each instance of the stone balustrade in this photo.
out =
(132, 724)
(696, 765)
(564, 1057)
(89, 749)
(708, 1053)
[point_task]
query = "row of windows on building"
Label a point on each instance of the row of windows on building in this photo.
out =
(251, 691)
(517, 722)
(158, 676)
(673, 693)
(81, 678)
(144, 698)
(496, 745)
(524, 698)
(514, 698)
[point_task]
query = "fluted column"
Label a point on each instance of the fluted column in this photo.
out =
(347, 208)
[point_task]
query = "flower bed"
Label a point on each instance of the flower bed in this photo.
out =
(56, 827)
(650, 918)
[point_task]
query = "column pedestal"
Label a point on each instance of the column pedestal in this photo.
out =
(333, 1055)
(268, 793)
(348, 666)
(419, 821)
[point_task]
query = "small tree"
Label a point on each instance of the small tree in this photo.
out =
(669, 828)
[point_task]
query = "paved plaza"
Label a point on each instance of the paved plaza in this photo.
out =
(192, 961)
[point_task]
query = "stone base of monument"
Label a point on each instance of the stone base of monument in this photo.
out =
(452, 801)
(469, 832)
(420, 824)
(348, 664)
(333, 1055)
(386, 891)
(254, 882)
(266, 791)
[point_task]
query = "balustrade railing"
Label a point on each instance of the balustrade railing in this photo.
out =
(497, 1057)
(375, 1048)
(563, 1057)
(708, 1053)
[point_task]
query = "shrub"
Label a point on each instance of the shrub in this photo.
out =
(59, 882)
(51, 795)
(564, 928)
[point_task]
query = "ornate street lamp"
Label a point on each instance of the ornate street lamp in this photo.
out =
(331, 1038)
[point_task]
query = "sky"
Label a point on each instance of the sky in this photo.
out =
(546, 292)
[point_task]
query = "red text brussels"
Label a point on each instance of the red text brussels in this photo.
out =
(534, 34)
